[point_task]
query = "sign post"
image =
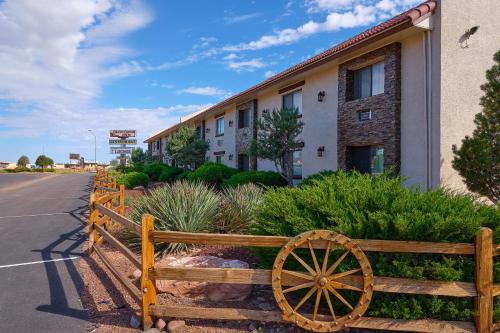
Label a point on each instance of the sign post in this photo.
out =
(123, 139)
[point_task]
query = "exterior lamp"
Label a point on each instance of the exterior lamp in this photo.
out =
(230, 123)
(321, 96)
(207, 130)
(231, 157)
(321, 150)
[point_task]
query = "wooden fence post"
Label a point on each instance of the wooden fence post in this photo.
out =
(122, 200)
(93, 217)
(484, 281)
(148, 286)
(114, 182)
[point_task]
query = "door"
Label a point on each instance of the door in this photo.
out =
(359, 158)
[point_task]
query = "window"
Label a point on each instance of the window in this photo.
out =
(243, 162)
(366, 159)
(219, 159)
(368, 81)
(219, 126)
(244, 118)
(198, 131)
(297, 167)
(293, 101)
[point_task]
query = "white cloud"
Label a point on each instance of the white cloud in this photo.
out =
(246, 65)
(240, 18)
(204, 91)
(340, 14)
(268, 74)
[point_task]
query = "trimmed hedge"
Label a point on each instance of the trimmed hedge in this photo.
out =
(360, 206)
(169, 174)
(212, 173)
(266, 178)
(154, 170)
(133, 179)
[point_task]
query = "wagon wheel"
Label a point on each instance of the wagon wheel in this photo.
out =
(322, 279)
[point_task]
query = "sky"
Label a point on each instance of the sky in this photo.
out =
(70, 66)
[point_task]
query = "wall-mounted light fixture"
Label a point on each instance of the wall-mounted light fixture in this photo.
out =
(321, 150)
(465, 37)
(230, 124)
(207, 130)
(321, 96)
(231, 157)
(265, 111)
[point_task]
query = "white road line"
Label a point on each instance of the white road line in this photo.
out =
(38, 262)
(34, 215)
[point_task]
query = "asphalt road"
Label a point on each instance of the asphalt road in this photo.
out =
(41, 235)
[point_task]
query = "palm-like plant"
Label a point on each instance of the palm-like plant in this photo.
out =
(238, 205)
(180, 206)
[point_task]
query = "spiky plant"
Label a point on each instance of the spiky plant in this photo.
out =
(180, 206)
(238, 205)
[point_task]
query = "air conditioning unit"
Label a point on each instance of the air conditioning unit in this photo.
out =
(220, 142)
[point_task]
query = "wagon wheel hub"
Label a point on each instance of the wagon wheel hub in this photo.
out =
(322, 280)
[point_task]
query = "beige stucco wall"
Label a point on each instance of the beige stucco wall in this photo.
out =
(227, 140)
(462, 71)
(413, 112)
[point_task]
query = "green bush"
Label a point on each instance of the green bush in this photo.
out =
(180, 206)
(183, 175)
(238, 207)
(170, 174)
(212, 173)
(133, 179)
(266, 178)
(360, 206)
(22, 169)
(38, 170)
(154, 170)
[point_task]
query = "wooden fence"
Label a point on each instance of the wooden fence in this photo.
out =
(322, 281)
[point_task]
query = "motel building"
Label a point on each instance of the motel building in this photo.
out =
(397, 96)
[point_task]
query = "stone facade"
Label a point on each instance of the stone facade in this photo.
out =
(384, 127)
(244, 136)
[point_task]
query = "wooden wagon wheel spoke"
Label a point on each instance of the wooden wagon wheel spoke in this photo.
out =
(298, 287)
(299, 275)
(340, 285)
(329, 301)
(305, 298)
(303, 263)
(325, 260)
(315, 260)
(337, 263)
(342, 299)
(320, 279)
(346, 273)
(316, 304)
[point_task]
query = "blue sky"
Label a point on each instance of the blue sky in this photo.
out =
(73, 65)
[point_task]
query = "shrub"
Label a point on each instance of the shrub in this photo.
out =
(22, 169)
(133, 179)
(266, 178)
(180, 206)
(360, 206)
(154, 170)
(170, 174)
(238, 207)
(39, 170)
(183, 175)
(212, 173)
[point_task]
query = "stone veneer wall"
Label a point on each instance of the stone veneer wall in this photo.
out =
(384, 128)
(244, 136)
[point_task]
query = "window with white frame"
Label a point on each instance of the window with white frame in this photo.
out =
(293, 100)
(219, 126)
(297, 166)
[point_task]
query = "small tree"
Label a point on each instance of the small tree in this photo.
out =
(187, 148)
(137, 155)
(277, 135)
(23, 161)
(478, 159)
(44, 161)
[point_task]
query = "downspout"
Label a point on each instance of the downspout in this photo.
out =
(427, 45)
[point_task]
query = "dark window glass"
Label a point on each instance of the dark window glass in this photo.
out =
(368, 81)
(244, 118)
(243, 162)
(219, 158)
(219, 126)
(293, 101)
(366, 159)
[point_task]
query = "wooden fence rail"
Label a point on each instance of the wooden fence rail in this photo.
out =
(482, 290)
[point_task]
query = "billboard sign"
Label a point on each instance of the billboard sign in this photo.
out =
(74, 156)
(121, 150)
(122, 141)
(122, 133)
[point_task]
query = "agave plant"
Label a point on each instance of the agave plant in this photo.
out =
(237, 207)
(180, 206)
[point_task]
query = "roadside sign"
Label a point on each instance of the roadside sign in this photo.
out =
(120, 150)
(122, 133)
(122, 141)
(74, 156)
